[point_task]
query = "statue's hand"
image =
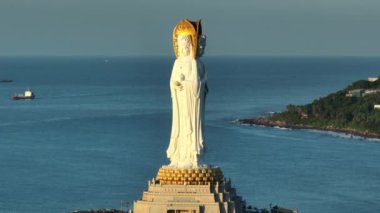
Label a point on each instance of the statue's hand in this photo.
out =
(178, 85)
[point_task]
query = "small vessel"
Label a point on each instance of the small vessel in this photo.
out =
(6, 81)
(28, 94)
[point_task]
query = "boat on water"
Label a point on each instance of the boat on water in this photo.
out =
(28, 94)
(6, 81)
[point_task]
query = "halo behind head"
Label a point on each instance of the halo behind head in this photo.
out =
(187, 27)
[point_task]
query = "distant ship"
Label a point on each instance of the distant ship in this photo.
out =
(6, 81)
(28, 94)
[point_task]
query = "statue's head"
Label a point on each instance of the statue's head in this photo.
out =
(188, 39)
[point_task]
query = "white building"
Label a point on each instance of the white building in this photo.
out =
(373, 79)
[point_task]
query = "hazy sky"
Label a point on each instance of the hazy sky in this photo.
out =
(233, 27)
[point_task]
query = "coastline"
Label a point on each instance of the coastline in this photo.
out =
(263, 121)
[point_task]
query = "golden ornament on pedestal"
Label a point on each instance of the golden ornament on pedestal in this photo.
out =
(196, 176)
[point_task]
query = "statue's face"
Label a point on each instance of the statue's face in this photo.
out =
(184, 45)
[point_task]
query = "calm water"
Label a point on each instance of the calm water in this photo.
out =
(99, 130)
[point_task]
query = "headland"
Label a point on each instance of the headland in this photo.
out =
(354, 110)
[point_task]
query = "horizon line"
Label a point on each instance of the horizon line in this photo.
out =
(207, 56)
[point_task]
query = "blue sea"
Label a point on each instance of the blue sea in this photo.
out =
(99, 128)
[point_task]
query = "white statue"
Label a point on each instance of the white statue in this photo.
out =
(188, 91)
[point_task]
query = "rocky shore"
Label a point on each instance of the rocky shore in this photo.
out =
(263, 121)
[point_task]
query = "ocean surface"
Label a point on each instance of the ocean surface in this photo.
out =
(99, 128)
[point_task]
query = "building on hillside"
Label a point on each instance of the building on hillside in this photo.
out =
(355, 93)
(371, 91)
(373, 79)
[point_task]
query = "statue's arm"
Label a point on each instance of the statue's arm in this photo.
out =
(196, 78)
(174, 82)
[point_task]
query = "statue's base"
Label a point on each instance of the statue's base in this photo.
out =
(199, 191)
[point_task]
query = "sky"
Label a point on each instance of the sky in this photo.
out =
(232, 27)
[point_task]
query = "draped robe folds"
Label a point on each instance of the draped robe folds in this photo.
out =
(188, 103)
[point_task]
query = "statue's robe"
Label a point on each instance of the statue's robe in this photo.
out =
(188, 104)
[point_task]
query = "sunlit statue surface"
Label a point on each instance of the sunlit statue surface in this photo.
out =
(188, 90)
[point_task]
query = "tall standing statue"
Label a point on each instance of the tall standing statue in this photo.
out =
(186, 185)
(188, 90)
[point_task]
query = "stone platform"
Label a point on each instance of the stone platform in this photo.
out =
(202, 190)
